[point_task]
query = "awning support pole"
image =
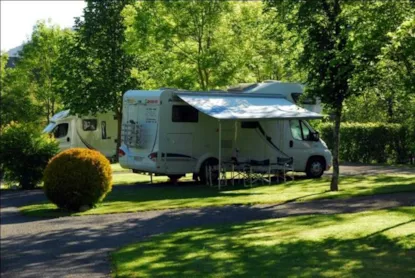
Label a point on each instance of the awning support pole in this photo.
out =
(220, 154)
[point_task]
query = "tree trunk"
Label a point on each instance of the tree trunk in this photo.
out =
(334, 185)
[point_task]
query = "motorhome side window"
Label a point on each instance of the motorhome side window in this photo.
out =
(60, 130)
(89, 125)
(299, 130)
(187, 114)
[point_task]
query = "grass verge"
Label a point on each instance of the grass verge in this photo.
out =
(189, 195)
(368, 244)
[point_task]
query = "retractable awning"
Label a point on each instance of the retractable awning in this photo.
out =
(246, 106)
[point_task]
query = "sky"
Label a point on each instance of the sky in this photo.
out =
(19, 17)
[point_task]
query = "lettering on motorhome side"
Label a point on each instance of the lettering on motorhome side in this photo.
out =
(151, 115)
(152, 101)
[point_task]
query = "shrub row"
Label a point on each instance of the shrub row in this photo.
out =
(370, 142)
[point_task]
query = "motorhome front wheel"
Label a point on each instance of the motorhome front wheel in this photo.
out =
(315, 167)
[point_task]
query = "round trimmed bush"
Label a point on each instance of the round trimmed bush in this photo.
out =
(77, 179)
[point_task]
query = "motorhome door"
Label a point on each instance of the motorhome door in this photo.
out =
(179, 159)
(298, 143)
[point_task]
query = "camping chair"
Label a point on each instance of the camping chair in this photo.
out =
(222, 179)
(239, 170)
(285, 164)
(260, 171)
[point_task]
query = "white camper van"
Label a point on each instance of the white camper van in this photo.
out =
(94, 132)
(172, 132)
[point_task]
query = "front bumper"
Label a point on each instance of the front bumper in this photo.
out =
(329, 159)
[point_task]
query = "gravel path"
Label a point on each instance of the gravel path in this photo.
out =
(79, 246)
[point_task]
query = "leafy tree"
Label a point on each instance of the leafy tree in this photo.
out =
(3, 62)
(25, 152)
(202, 45)
(383, 81)
(96, 70)
(341, 40)
(36, 63)
(17, 102)
(400, 52)
(184, 44)
(270, 51)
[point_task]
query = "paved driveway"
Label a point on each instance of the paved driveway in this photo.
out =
(352, 169)
(79, 246)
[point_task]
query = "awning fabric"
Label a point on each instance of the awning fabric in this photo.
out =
(246, 106)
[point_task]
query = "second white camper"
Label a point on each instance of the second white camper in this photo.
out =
(97, 132)
(171, 132)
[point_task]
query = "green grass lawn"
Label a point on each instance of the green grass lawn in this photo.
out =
(117, 168)
(186, 195)
(368, 244)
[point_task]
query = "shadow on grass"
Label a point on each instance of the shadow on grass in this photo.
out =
(191, 194)
(206, 254)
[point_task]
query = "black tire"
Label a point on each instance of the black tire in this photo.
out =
(315, 167)
(174, 178)
(202, 173)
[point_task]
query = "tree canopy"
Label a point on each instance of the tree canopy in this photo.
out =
(356, 56)
(94, 66)
(341, 40)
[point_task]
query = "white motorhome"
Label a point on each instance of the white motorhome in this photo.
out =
(173, 132)
(93, 132)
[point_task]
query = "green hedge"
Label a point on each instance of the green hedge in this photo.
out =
(370, 142)
(24, 153)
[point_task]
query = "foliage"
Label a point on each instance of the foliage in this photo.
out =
(340, 47)
(16, 103)
(3, 62)
(129, 199)
(24, 153)
(182, 42)
(96, 70)
(389, 84)
(35, 72)
(365, 244)
(77, 177)
(370, 142)
(398, 56)
(202, 45)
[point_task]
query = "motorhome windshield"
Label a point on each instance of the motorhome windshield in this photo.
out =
(49, 127)
(61, 130)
